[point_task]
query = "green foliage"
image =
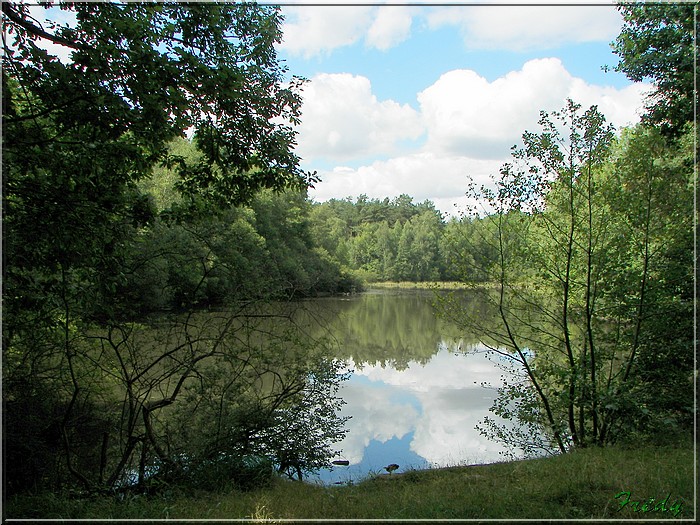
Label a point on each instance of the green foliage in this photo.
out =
(78, 136)
(525, 429)
(191, 399)
(153, 71)
(382, 240)
(657, 43)
(592, 266)
(223, 473)
(467, 250)
(110, 215)
(262, 250)
(299, 436)
(653, 195)
(591, 246)
(284, 419)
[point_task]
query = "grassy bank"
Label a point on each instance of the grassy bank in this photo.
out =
(579, 485)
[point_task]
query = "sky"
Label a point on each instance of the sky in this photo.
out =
(421, 98)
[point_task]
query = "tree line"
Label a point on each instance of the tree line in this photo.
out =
(389, 240)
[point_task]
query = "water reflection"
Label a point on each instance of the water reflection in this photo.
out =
(414, 396)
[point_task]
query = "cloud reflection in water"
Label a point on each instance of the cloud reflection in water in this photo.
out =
(420, 416)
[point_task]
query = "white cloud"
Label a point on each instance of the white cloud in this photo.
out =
(620, 106)
(444, 370)
(342, 119)
(469, 123)
(527, 27)
(451, 404)
(421, 175)
(317, 30)
(391, 26)
(446, 434)
(466, 115)
(375, 416)
(311, 31)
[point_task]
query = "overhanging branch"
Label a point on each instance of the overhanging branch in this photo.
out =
(35, 30)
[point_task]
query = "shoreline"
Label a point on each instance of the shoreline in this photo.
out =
(424, 285)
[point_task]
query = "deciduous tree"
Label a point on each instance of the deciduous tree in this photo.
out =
(576, 248)
(657, 43)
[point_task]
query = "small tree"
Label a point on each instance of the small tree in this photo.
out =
(206, 398)
(299, 435)
(562, 245)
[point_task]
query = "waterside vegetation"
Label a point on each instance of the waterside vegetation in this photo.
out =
(580, 485)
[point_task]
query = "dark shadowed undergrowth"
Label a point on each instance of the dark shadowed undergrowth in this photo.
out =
(580, 485)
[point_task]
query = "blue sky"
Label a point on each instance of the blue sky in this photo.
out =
(418, 99)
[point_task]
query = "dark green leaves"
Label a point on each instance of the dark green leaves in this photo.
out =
(158, 70)
(657, 44)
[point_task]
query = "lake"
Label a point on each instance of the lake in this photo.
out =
(415, 392)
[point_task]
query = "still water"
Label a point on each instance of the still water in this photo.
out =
(415, 393)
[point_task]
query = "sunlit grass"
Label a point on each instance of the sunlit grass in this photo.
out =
(582, 484)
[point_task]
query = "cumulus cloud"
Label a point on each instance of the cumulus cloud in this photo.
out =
(310, 31)
(444, 370)
(375, 416)
(446, 435)
(342, 119)
(620, 106)
(391, 25)
(422, 175)
(467, 115)
(528, 27)
(466, 126)
(317, 30)
(451, 403)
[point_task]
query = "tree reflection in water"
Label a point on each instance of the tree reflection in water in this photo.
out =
(416, 392)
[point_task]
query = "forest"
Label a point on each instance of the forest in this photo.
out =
(157, 237)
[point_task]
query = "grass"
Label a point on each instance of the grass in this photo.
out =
(579, 485)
